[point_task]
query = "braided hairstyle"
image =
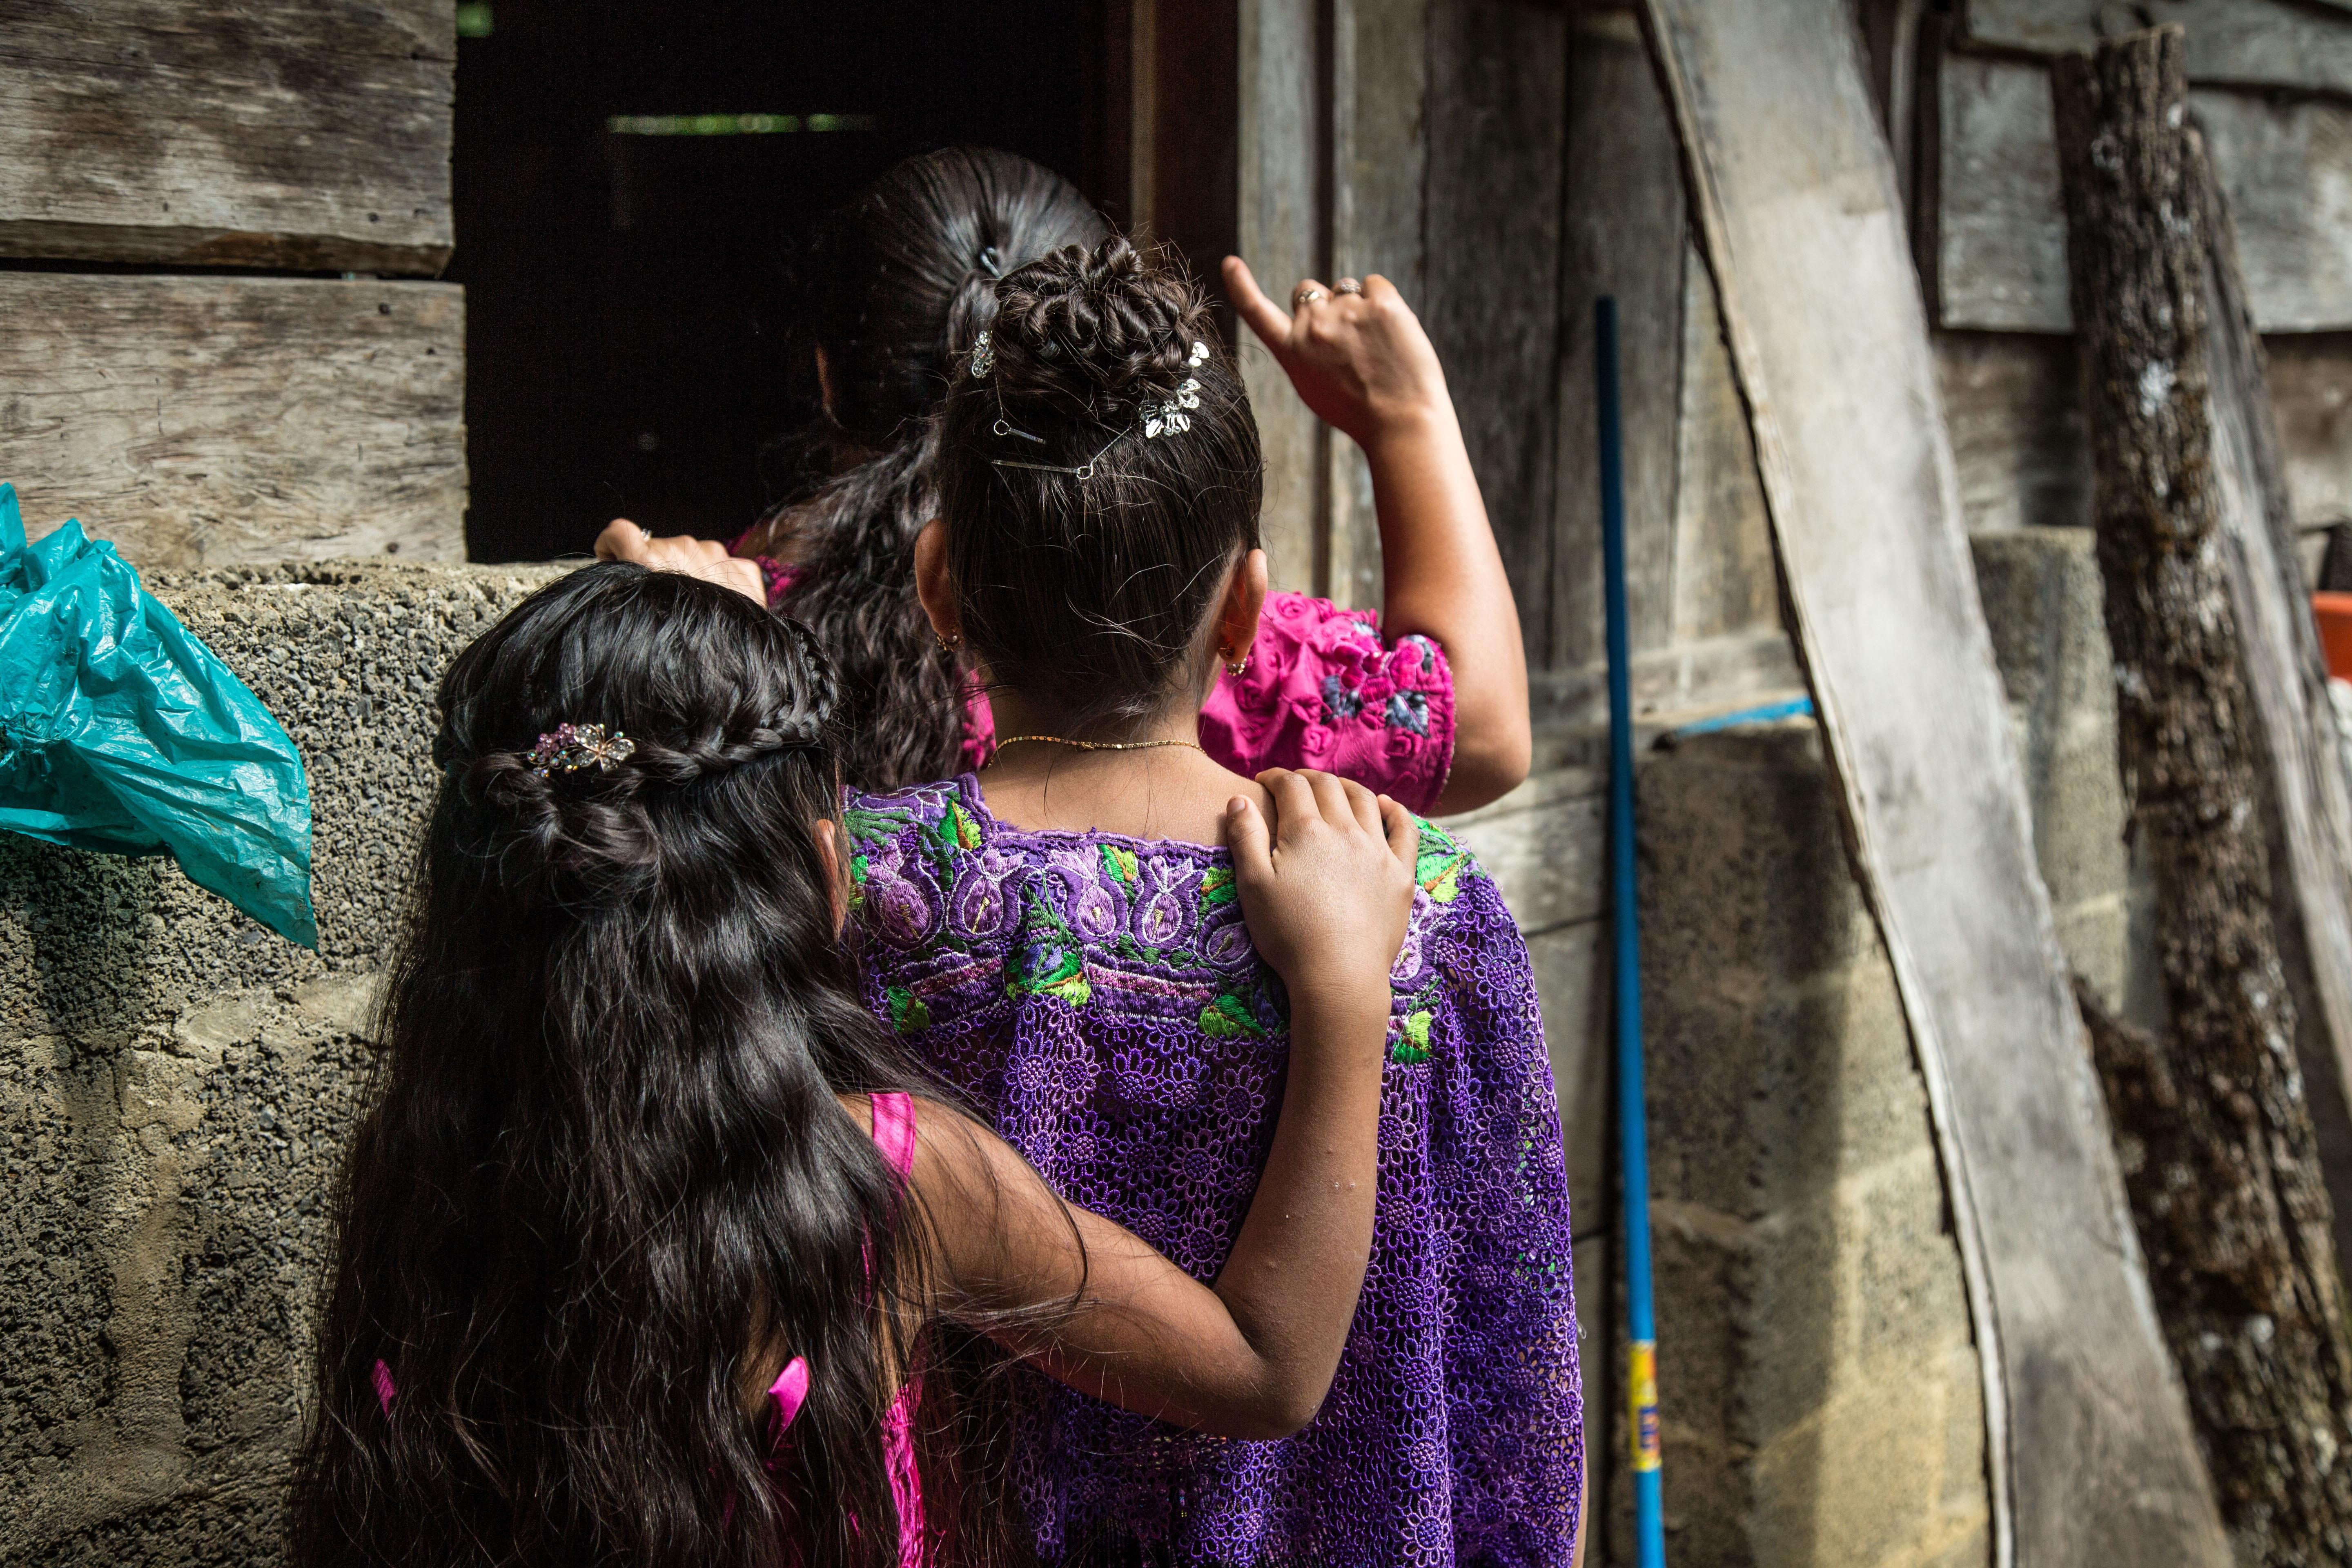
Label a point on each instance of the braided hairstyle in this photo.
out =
(603, 1185)
(901, 281)
(1095, 594)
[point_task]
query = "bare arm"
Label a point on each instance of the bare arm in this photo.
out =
(1365, 366)
(1326, 895)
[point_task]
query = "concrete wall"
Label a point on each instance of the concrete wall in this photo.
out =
(1819, 1388)
(175, 1083)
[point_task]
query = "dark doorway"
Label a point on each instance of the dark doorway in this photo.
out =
(630, 183)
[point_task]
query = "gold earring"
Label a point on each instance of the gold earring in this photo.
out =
(948, 644)
(1233, 667)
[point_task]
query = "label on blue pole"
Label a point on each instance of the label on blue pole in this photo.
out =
(1645, 1404)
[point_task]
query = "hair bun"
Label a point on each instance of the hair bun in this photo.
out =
(1103, 325)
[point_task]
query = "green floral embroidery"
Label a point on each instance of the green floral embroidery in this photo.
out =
(951, 832)
(873, 828)
(1051, 961)
(1439, 867)
(909, 1011)
(1228, 1017)
(1217, 887)
(1410, 1044)
(1121, 864)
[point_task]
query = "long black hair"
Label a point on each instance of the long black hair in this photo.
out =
(605, 1187)
(899, 283)
(1091, 590)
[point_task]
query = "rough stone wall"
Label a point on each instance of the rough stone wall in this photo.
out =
(1820, 1390)
(175, 1083)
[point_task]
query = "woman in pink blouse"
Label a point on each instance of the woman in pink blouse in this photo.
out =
(1425, 699)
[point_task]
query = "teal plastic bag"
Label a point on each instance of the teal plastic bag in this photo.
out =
(120, 733)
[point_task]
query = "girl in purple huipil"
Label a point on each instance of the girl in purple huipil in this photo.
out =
(1058, 937)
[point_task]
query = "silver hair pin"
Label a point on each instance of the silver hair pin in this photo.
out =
(1084, 471)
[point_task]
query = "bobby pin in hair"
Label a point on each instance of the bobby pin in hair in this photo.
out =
(1084, 471)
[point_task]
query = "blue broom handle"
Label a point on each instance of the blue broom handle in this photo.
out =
(1649, 1529)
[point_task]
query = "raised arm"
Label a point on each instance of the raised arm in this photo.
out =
(1364, 365)
(1325, 892)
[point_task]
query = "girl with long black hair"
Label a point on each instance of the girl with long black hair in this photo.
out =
(1425, 701)
(644, 1240)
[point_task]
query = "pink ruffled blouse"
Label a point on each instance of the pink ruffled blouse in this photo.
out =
(1322, 690)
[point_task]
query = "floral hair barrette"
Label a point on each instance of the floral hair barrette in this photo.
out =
(1169, 415)
(567, 748)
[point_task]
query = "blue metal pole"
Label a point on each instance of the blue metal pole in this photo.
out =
(1633, 1114)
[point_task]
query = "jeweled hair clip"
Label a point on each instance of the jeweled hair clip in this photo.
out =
(567, 748)
(1171, 414)
(983, 357)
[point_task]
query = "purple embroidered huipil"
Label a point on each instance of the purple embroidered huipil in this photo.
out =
(1099, 996)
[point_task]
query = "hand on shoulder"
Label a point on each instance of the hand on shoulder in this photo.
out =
(1325, 886)
(705, 558)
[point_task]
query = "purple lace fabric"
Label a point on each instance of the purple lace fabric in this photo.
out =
(1099, 996)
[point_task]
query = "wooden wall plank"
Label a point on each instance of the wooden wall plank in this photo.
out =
(2015, 414)
(1725, 581)
(212, 421)
(1622, 235)
(2311, 389)
(2088, 1442)
(305, 134)
(1380, 157)
(2002, 239)
(1282, 237)
(1498, 133)
(2251, 43)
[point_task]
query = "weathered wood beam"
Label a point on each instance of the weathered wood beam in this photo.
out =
(2247, 43)
(2001, 232)
(218, 421)
(296, 135)
(2090, 1452)
(2302, 790)
(2225, 1181)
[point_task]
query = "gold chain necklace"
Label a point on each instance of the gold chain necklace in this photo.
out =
(1094, 745)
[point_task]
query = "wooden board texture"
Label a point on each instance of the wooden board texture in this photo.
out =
(2000, 264)
(1623, 237)
(2309, 799)
(1282, 239)
(2015, 414)
(219, 420)
(1498, 104)
(2088, 1443)
(1379, 173)
(301, 134)
(2251, 43)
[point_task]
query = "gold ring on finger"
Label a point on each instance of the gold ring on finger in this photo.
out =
(1306, 297)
